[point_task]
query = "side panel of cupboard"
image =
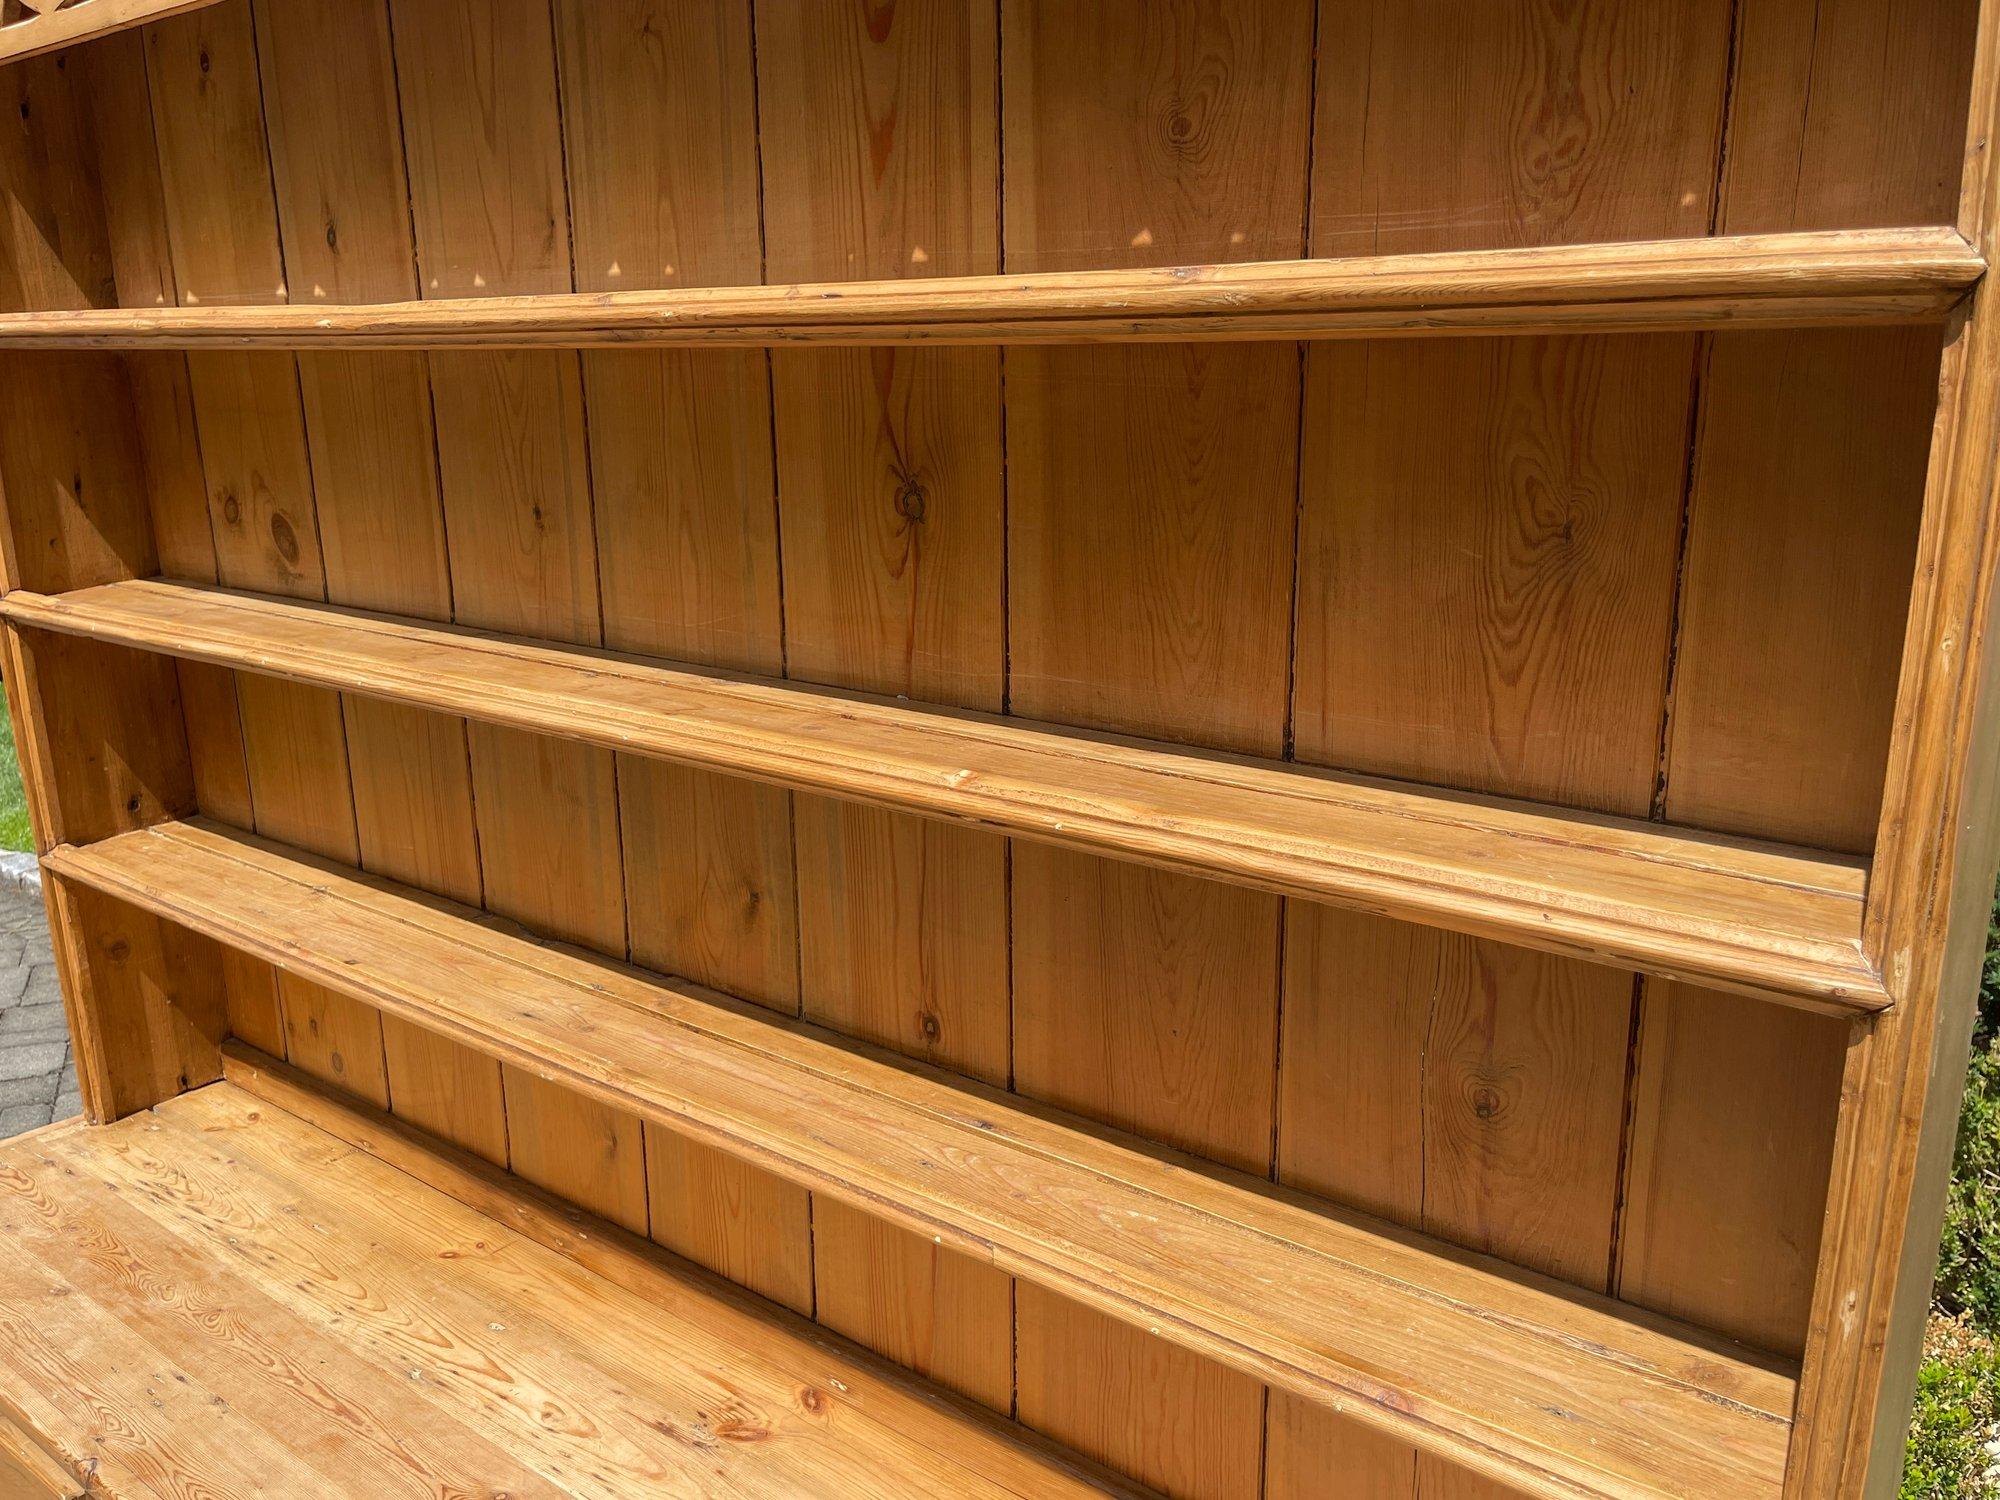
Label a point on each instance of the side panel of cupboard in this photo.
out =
(1649, 575)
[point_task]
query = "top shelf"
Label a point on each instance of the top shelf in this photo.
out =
(1777, 280)
(50, 24)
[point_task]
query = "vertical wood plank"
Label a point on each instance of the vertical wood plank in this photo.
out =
(477, 83)
(222, 230)
(1801, 539)
(908, 919)
(1486, 561)
(1727, 1179)
(1466, 1088)
(879, 156)
(1151, 501)
(133, 188)
(343, 207)
(1173, 1420)
(1486, 596)
(144, 1005)
(1147, 1001)
(335, 1038)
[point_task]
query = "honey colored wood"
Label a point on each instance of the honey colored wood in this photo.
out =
(1393, 1330)
(1938, 844)
(477, 89)
(48, 25)
(892, 504)
(1805, 279)
(232, 1236)
(685, 510)
(1752, 917)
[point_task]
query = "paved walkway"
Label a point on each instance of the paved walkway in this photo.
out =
(37, 1077)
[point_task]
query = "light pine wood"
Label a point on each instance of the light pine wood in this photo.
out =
(1522, 402)
(249, 1233)
(1836, 119)
(1756, 917)
(1899, 275)
(343, 209)
(1190, 1254)
(478, 89)
(1725, 1188)
(1152, 497)
(1488, 540)
(878, 143)
(47, 26)
(1893, 1152)
(144, 1003)
(1486, 577)
(1486, 1082)
(686, 525)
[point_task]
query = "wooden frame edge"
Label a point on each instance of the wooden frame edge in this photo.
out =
(1936, 856)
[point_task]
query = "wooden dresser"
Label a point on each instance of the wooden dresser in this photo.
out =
(1232, 748)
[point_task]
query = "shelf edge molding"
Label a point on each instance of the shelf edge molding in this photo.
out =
(47, 27)
(1555, 1391)
(1730, 913)
(1803, 279)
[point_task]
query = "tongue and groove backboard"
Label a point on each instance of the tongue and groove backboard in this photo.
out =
(1676, 582)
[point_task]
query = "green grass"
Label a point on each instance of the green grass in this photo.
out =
(13, 801)
(1958, 1390)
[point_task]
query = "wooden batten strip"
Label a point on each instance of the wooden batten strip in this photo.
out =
(1553, 1391)
(1761, 919)
(84, 21)
(1772, 280)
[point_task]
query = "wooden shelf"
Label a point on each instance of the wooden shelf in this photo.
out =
(50, 24)
(222, 1298)
(1547, 1389)
(1756, 918)
(1804, 279)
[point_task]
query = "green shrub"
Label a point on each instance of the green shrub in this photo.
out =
(1957, 1413)
(1968, 1279)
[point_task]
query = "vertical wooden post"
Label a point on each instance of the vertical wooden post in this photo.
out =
(1931, 889)
(99, 729)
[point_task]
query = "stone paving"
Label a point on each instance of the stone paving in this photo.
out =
(37, 1075)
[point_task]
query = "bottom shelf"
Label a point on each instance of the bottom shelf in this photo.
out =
(1546, 1389)
(220, 1298)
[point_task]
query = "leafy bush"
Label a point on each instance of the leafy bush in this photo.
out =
(1968, 1279)
(1957, 1414)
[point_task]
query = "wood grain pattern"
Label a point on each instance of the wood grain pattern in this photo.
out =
(1765, 1154)
(483, 140)
(202, 1220)
(878, 141)
(342, 198)
(1455, 125)
(1488, 1082)
(1150, 524)
(1130, 1233)
(1839, 116)
(1757, 917)
(906, 927)
(1179, 1423)
(1148, 1001)
(1893, 1148)
(46, 27)
(1488, 536)
(1808, 278)
(1486, 562)
(335, 1038)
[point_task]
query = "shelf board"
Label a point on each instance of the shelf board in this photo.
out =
(1761, 919)
(46, 28)
(255, 1290)
(1801, 279)
(1554, 1391)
